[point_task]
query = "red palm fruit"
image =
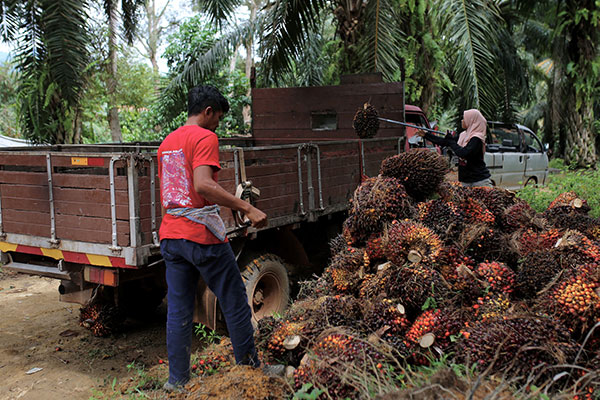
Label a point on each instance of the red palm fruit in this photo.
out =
(518, 216)
(530, 241)
(419, 170)
(425, 323)
(476, 212)
(497, 276)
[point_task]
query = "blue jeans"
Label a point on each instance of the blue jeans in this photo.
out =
(186, 261)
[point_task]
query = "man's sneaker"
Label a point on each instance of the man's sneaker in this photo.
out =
(273, 369)
(171, 388)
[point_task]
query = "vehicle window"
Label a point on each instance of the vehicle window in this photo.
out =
(416, 119)
(498, 135)
(532, 144)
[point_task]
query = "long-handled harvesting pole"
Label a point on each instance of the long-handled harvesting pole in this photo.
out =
(412, 126)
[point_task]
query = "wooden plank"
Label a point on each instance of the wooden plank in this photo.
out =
(42, 206)
(90, 209)
(27, 228)
(22, 216)
(6, 158)
(24, 178)
(93, 236)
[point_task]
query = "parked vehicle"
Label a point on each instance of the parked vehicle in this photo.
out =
(515, 156)
(89, 215)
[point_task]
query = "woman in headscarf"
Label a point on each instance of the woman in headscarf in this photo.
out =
(470, 148)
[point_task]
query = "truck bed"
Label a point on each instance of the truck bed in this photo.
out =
(100, 204)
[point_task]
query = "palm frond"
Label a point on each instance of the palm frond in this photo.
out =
(130, 13)
(9, 19)
(285, 34)
(473, 28)
(218, 11)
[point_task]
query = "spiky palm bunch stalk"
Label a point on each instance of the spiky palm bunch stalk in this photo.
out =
(497, 276)
(420, 171)
(444, 218)
(408, 238)
(483, 243)
(366, 122)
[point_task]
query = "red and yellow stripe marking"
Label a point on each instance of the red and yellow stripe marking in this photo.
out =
(87, 161)
(69, 256)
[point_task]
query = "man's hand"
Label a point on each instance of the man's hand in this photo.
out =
(257, 217)
(421, 133)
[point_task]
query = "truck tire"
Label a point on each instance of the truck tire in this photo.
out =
(267, 286)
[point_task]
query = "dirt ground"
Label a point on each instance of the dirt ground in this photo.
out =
(38, 331)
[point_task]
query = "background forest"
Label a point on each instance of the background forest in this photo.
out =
(86, 71)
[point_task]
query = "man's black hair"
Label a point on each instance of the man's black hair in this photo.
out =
(204, 96)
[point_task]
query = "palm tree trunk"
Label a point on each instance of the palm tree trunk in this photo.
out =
(113, 111)
(246, 111)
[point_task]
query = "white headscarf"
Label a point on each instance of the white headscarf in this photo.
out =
(476, 127)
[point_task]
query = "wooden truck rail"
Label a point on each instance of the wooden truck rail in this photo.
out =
(102, 208)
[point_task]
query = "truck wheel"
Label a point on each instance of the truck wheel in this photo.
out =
(531, 182)
(267, 286)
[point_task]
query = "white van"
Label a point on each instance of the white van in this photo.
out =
(515, 156)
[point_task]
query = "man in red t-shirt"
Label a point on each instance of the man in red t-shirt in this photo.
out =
(192, 234)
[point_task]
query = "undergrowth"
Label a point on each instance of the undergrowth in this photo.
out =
(583, 182)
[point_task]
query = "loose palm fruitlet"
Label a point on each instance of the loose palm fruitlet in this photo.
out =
(411, 241)
(366, 122)
(420, 171)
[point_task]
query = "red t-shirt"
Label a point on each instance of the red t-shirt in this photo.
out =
(179, 154)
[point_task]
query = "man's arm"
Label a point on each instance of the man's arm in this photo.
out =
(206, 186)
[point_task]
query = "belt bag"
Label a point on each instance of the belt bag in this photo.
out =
(207, 216)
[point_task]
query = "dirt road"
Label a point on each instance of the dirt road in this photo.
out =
(38, 331)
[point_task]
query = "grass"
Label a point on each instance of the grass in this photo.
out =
(582, 182)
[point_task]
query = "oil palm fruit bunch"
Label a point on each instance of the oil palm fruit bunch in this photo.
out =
(343, 272)
(448, 262)
(482, 243)
(570, 200)
(575, 299)
(497, 276)
(476, 212)
(420, 171)
(366, 122)
(426, 323)
(386, 318)
(411, 241)
(413, 286)
(102, 319)
(535, 272)
(376, 201)
(444, 218)
(340, 311)
(286, 341)
(337, 244)
(497, 200)
(452, 191)
(574, 248)
(562, 219)
(331, 356)
(451, 322)
(518, 216)
(517, 343)
(530, 240)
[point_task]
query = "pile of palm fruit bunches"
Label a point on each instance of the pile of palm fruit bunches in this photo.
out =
(426, 268)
